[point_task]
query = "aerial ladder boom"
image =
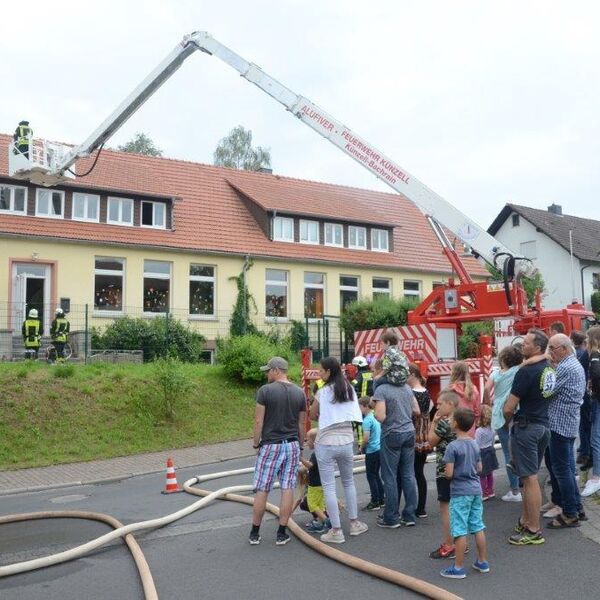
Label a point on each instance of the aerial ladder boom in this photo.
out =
(438, 211)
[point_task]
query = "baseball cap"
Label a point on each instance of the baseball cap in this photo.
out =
(276, 363)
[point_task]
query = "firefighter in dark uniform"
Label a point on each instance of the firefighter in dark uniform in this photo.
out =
(59, 330)
(31, 334)
(23, 134)
(363, 384)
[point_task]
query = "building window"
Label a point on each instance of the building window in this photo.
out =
(86, 207)
(13, 199)
(596, 281)
(202, 290)
(120, 211)
(529, 249)
(108, 284)
(314, 295)
(412, 290)
(309, 232)
(382, 288)
(334, 234)
(49, 203)
(379, 240)
(357, 237)
(153, 214)
(515, 220)
(276, 293)
(348, 290)
(157, 284)
(283, 229)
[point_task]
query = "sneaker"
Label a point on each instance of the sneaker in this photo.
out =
(313, 523)
(282, 539)
(327, 524)
(372, 506)
(552, 513)
(453, 573)
(443, 552)
(547, 506)
(488, 497)
(512, 497)
(407, 523)
(315, 527)
(582, 516)
(382, 523)
(527, 538)
(358, 527)
(382, 504)
(333, 537)
(591, 487)
(481, 566)
(519, 527)
(422, 515)
(254, 539)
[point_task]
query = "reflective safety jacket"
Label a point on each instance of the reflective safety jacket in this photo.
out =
(363, 384)
(31, 333)
(22, 135)
(60, 329)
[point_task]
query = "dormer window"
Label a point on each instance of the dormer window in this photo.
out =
(379, 240)
(357, 237)
(334, 234)
(283, 229)
(50, 203)
(120, 211)
(153, 215)
(309, 232)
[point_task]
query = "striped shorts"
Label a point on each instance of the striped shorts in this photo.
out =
(279, 461)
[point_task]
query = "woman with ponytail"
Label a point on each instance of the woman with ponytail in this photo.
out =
(460, 382)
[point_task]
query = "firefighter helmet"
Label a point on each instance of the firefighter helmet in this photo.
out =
(360, 361)
(33, 313)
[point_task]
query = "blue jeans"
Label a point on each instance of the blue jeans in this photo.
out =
(397, 467)
(503, 436)
(562, 473)
(372, 466)
(595, 437)
(585, 427)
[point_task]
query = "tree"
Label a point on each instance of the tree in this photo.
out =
(530, 284)
(236, 151)
(141, 144)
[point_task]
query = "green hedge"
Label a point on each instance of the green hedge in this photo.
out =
(373, 314)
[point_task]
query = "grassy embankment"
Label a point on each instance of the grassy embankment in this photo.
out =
(103, 411)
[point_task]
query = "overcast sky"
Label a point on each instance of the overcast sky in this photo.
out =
(485, 102)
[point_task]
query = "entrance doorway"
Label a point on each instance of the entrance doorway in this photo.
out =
(31, 289)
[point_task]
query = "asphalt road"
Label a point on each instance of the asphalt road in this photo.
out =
(207, 553)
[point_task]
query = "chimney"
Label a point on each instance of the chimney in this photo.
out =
(555, 209)
(265, 170)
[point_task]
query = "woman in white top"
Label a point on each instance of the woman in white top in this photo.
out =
(336, 406)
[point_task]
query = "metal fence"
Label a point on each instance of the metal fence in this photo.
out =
(89, 327)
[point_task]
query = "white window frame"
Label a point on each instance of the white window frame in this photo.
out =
(349, 288)
(113, 272)
(154, 204)
(381, 291)
(314, 286)
(307, 239)
(166, 277)
(331, 228)
(283, 221)
(279, 283)
(355, 229)
(376, 237)
(206, 279)
(40, 191)
(412, 293)
(86, 204)
(120, 221)
(11, 209)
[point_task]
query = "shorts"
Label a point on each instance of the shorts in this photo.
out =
(443, 489)
(466, 515)
(527, 447)
(277, 461)
(315, 498)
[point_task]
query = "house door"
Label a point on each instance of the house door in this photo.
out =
(31, 289)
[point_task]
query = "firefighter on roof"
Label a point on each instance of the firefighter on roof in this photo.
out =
(22, 136)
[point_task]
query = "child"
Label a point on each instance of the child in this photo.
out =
(463, 461)
(440, 435)
(422, 445)
(484, 436)
(460, 382)
(371, 446)
(394, 362)
(315, 499)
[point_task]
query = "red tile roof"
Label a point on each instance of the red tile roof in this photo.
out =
(211, 217)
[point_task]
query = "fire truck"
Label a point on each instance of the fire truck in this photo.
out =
(433, 326)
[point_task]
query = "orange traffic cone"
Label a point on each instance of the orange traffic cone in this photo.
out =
(172, 486)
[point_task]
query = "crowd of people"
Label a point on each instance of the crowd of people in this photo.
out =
(544, 396)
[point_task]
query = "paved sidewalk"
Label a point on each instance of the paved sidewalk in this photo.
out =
(113, 469)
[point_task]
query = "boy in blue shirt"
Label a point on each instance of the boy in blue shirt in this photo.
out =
(463, 463)
(371, 444)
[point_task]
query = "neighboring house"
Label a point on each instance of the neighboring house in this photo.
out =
(547, 237)
(143, 235)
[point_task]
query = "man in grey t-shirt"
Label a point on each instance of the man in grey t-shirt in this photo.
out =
(394, 409)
